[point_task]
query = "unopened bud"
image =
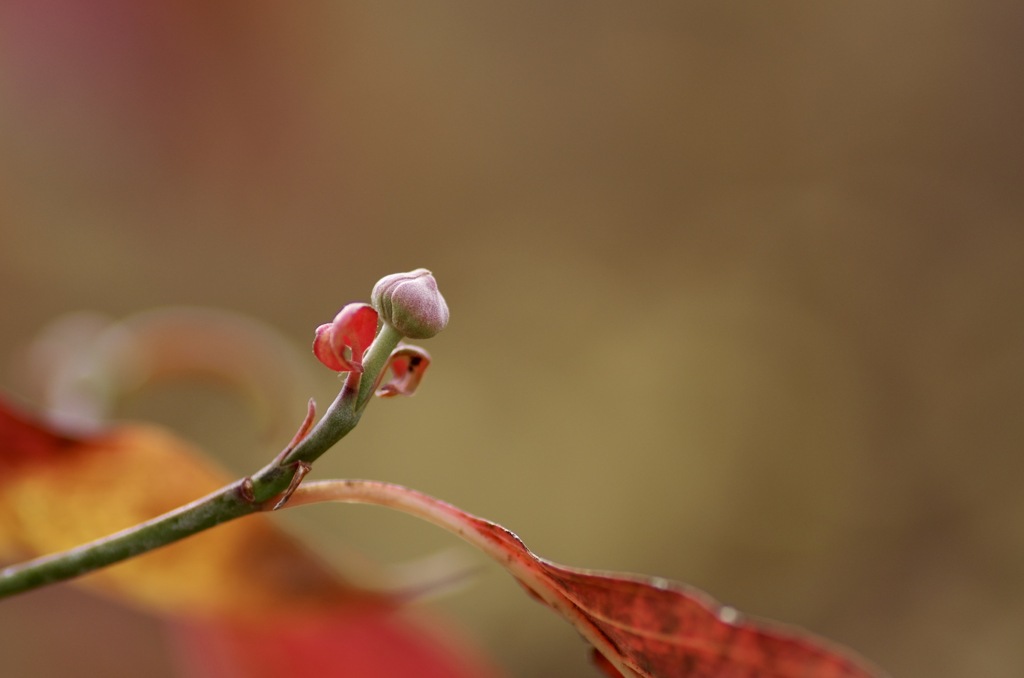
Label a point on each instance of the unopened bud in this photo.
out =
(411, 303)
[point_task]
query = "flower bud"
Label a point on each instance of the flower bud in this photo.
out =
(411, 304)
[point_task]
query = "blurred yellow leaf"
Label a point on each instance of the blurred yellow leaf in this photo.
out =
(245, 594)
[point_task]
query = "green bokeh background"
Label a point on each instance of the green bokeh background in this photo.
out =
(736, 288)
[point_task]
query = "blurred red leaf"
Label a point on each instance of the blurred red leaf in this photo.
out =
(245, 596)
(367, 641)
(642, 626)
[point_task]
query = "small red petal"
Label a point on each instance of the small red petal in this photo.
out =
(407, 364)
(354, 327)
(324, 351)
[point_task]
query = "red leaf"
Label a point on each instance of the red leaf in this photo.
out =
(664, 628)
(643, 626)
(25, 442)
(365, 642)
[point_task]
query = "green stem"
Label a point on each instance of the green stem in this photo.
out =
(221, 506)
(238, 499)
(375, 360)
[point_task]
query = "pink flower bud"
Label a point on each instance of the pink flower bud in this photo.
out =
(340, 344)
(411, 304)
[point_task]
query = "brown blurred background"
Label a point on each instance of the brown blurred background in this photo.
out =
(736, 288)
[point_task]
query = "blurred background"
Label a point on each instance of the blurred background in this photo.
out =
(736, 288)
